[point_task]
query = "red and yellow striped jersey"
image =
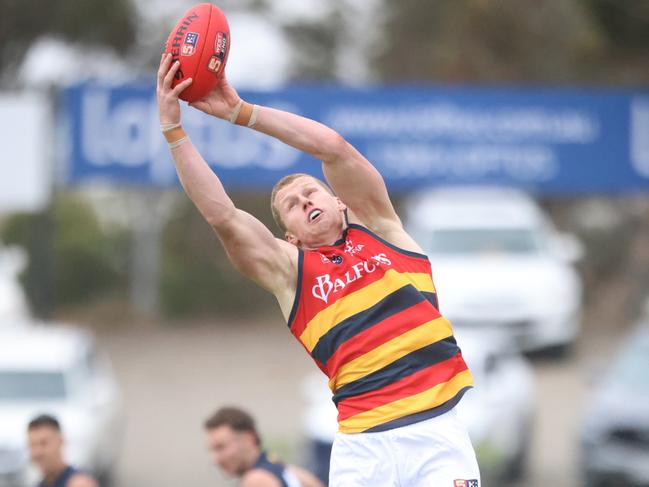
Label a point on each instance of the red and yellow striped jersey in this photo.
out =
(366, 311)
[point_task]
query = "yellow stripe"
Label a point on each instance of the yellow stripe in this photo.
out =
(386, 353)
(433, 397)
(361, 300)
(421, 280)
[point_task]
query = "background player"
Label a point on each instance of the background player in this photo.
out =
(46, 450)
(235, 447)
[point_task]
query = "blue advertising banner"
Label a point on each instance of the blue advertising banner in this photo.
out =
(551, 141)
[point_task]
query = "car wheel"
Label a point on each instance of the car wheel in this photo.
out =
(106, 478)
(597, 480)
(517, 468)
(552, 352)
(560, 352)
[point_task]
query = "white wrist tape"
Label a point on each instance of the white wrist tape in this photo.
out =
(178, 143)
(253, 116)
(168, 126)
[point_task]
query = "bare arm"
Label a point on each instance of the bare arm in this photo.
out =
(353, 178)
(81, 480)
(358, 184)
(306, 478)
(251, 247)
(259, 478)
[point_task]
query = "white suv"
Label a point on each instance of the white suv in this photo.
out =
(56, 370)
(13, 302)
(499, 264)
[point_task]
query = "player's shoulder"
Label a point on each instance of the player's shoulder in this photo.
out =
(391, 232)
(80, 479)
(290, 250)
(259, 477)
(290, 258)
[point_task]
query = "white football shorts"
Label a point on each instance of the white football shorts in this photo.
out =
(436, 452)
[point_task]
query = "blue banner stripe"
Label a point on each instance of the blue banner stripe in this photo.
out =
(550, 141)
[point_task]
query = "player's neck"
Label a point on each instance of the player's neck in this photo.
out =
(327, 240)
(56, 471)
(252, 458)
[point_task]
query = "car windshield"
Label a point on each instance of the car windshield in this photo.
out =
(480, 241)
(631, 369)
(31, 385)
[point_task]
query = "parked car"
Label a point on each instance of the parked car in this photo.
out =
(56, 370)
(615, 430)
(500, 264)
(498, 411)
(13, 302)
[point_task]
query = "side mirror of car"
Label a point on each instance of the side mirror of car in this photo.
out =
(100, 393)
(567, 247)
(594, 373)
(13, 259)
(490, 365)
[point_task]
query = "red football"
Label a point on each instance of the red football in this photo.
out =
(201, 42)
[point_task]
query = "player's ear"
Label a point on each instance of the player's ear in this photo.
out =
(340, 205)
(292, 239)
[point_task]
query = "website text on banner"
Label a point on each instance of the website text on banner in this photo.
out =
(551, 141)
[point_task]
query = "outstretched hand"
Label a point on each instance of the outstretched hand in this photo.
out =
(168, 105)
(220, 102)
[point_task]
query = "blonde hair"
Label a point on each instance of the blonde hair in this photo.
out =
(282, 183)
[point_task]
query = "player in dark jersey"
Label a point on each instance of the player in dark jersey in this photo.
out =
(46, 451)
(354, 288)
(235, 446)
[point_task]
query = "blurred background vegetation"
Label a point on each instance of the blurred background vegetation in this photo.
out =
(78, 262)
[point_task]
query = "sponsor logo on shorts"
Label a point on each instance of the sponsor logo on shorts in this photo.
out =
(189, 46)
(465, 483)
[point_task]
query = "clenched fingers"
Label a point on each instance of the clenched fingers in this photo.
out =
(178, 89)
(163, 68)
(166, 82)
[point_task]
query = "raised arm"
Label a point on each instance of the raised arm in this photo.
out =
(251, 247)
(355, 181)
